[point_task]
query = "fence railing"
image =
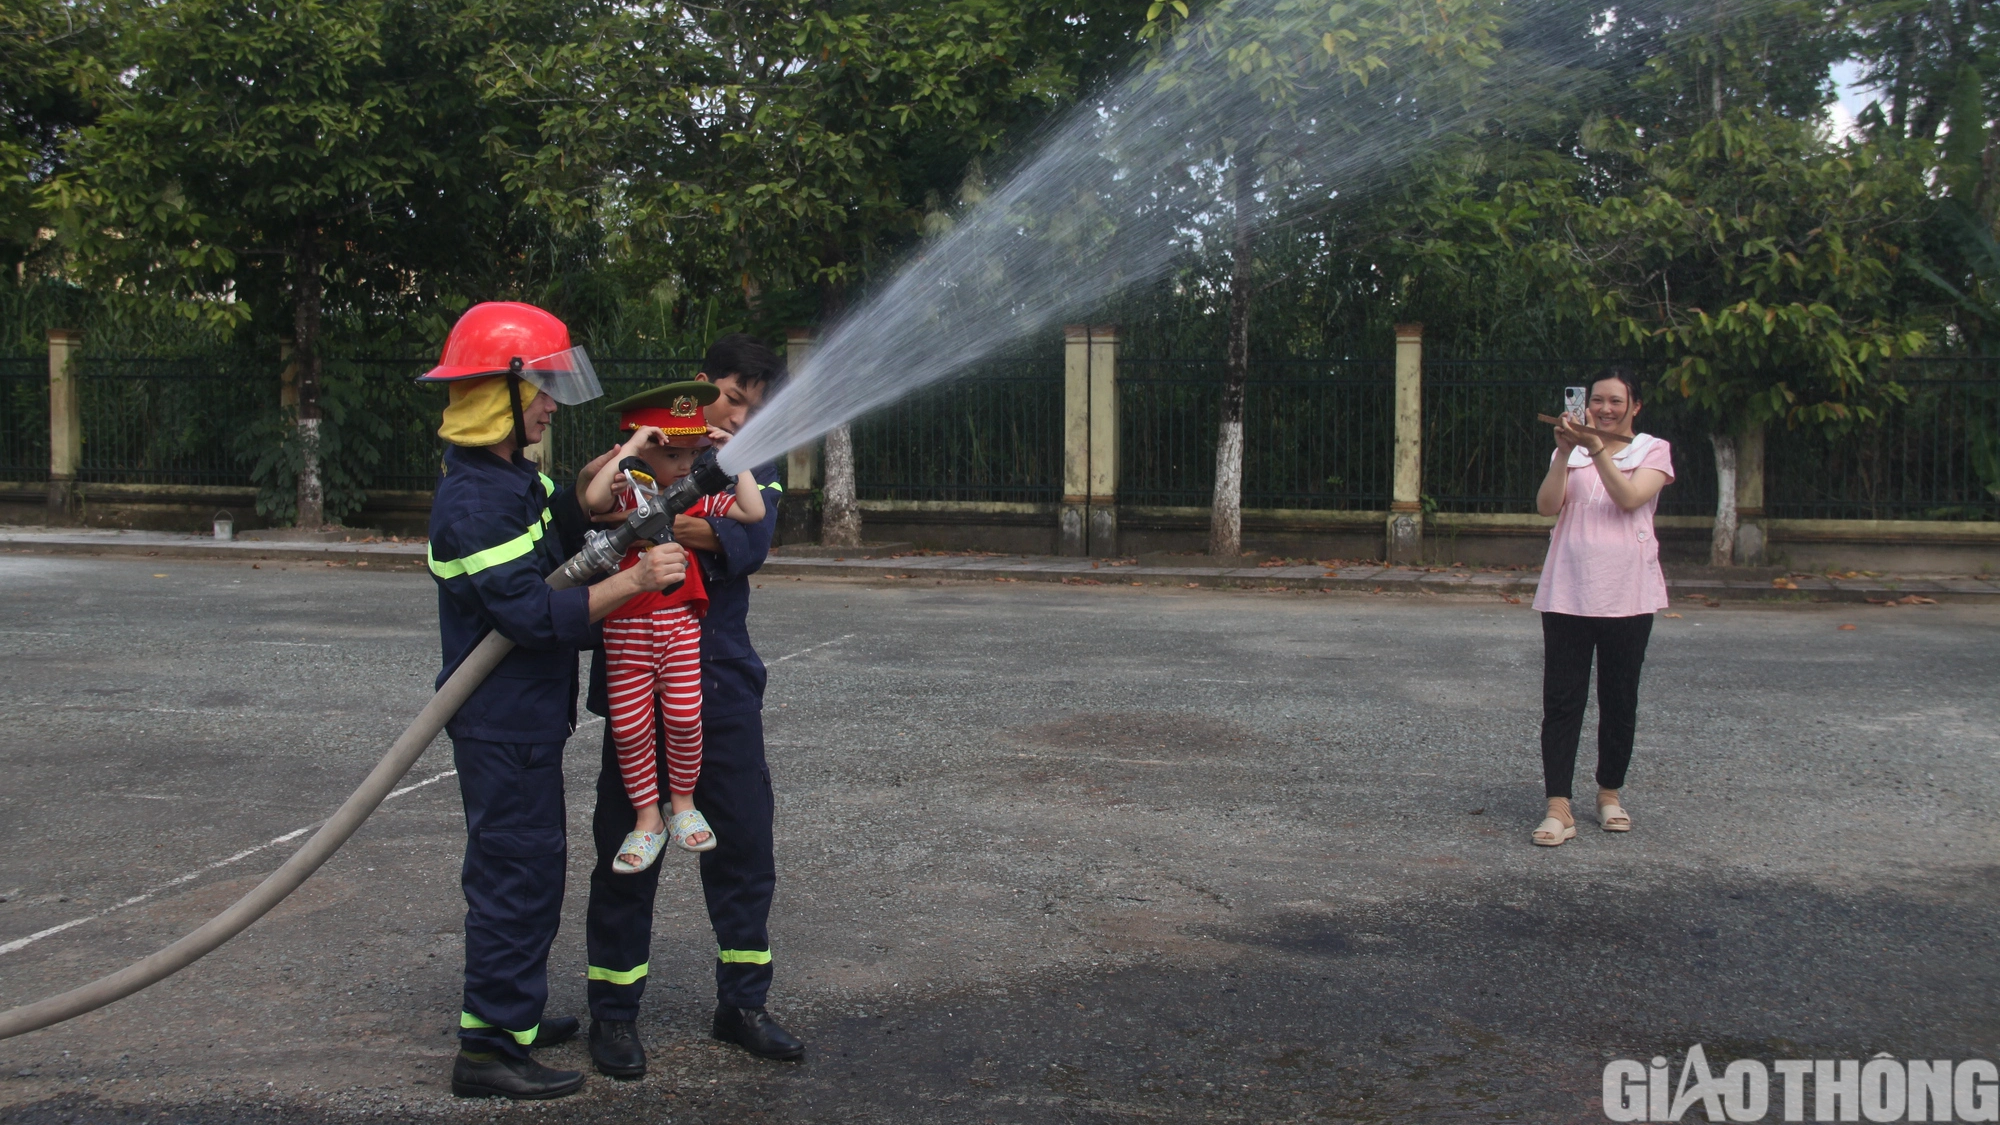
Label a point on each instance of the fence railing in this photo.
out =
(170, 421)
(1317, 433)
(1936, 456)
(1485, 452)
(24, 419)
(994, 434)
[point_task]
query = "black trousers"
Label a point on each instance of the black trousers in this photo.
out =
(1568, 644)
(515, 855)
(737, 877)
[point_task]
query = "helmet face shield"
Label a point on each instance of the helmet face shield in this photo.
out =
(566, 376)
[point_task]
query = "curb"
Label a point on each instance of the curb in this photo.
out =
(150, 544)
(1423, 581)
(1359, 579)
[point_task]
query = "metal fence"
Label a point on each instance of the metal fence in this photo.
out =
(1317, 433)
(1936, 456)
(383, 409)
(994, 434)
(24, 419)
(1485, 452)
(170, 421)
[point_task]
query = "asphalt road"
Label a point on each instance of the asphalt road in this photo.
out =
(1045, 854)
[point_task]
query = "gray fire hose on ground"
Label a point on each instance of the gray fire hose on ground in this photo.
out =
(653, 522)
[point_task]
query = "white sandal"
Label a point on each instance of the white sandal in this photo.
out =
(645, 845)
(1613, 818)
(681, 825)
(1552, 832)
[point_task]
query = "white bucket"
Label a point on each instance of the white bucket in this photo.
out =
(225, 526)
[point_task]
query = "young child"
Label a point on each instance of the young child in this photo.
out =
(652, 644)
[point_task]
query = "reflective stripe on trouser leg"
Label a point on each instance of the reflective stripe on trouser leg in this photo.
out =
(618, 925)
(513, 882)
(469, 1022)
(743, 956)
(734, 793)
(618, 976)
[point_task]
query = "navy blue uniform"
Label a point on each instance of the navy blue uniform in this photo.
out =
(493, 544)
(734, 793)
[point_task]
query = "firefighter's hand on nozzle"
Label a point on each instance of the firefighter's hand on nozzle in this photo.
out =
(661, 567)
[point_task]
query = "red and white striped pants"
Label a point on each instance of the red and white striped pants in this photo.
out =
(645, 655)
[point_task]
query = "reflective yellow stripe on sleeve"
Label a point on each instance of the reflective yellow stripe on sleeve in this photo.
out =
(492, 556)
(774, 485)
(619, 976)
(524, 1038)
(743, 956)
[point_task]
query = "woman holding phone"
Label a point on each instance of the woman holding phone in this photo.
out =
(1599, 589)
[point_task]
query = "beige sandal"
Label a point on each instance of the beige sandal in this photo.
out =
(1613, 818)
(1552, 832)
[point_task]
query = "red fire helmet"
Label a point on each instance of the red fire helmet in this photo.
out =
(495, 335)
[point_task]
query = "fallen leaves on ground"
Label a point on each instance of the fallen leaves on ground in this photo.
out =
(1784, 584)
(1670, 615)
(1512, 600)
(1073, 580)
(1846, 628)
(1906, 599)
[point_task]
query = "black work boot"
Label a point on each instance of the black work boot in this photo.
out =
(489, 1074)
(559, 1030)
(755, 1031)
(615, 1048)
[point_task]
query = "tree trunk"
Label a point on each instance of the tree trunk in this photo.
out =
(1722, 544)
(1225, 518)
(840, 516)
(305, 331)
(840, 520)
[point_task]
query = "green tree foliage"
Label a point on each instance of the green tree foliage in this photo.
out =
(40, 44)
(777, 149)
(252, 160)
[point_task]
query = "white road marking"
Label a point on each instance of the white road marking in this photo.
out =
(811, 648)
(22, 943)
(421, 784)
(290, 644)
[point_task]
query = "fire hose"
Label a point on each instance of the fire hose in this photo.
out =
(652, 521)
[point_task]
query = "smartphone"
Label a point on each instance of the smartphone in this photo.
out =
(1574, 400)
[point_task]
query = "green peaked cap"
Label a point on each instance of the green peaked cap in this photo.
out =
(703, 393)
(674, 408)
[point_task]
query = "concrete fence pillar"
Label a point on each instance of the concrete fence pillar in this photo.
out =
(1088, 516)
(1404, 541)
(65, 424)
(1752, 544)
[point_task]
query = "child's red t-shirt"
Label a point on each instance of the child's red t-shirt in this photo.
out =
(691, 593)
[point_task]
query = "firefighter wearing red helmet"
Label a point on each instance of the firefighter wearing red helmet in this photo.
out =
(493, 542)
